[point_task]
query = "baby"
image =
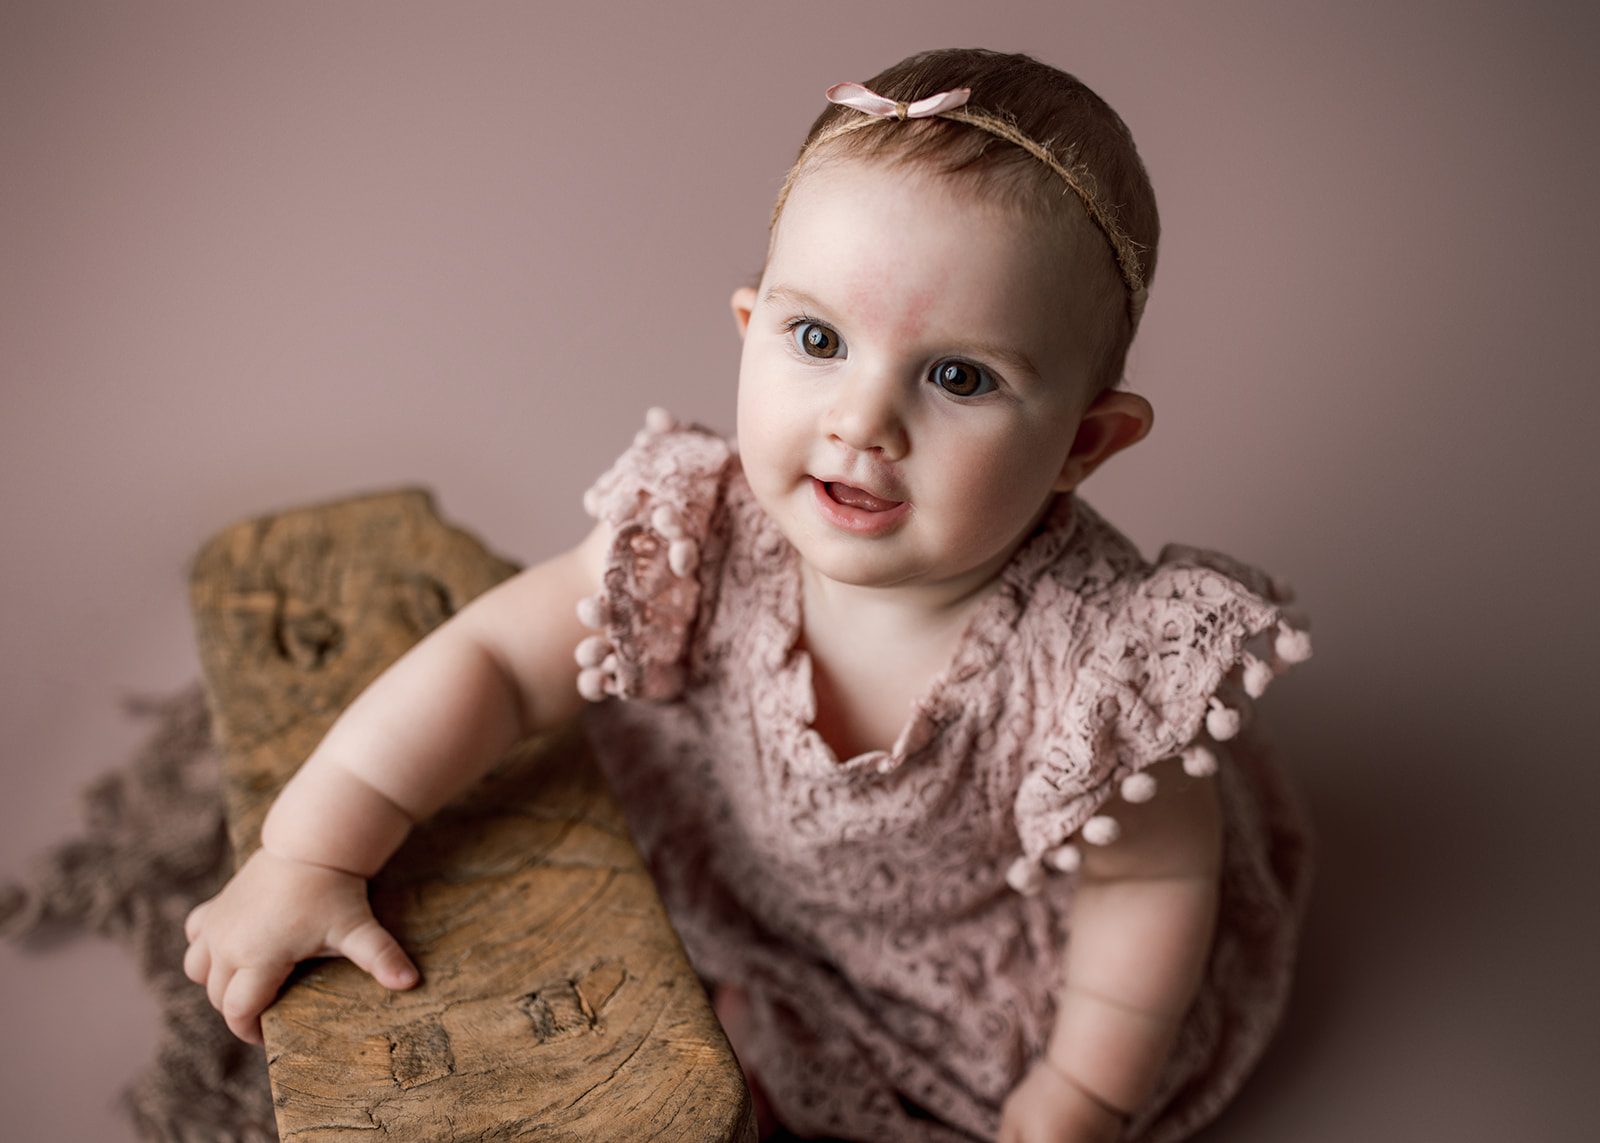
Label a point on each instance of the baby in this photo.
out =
(940, 781)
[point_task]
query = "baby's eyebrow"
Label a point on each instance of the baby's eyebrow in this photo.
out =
(788, 296)
(1015, 362)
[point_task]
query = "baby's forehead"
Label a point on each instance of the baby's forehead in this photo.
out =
(972, 201)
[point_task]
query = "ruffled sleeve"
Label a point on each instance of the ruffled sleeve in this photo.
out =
(658, 499)
(1163, 663)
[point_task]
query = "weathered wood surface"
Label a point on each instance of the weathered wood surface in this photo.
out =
(556, 1001)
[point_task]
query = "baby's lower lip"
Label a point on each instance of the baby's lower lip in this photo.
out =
(856, 510)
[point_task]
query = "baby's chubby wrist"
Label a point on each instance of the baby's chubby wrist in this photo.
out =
(1110, 1050)
(1082, 1091)
(1050, 1104)
(327, 817)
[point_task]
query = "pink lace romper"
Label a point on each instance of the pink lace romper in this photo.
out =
(898, 918)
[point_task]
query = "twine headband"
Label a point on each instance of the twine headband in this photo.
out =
(951, 105)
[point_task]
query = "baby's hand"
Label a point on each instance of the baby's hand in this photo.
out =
(1046, 1107)
(276, 912)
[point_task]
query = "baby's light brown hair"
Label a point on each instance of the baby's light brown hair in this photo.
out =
(1089, 174)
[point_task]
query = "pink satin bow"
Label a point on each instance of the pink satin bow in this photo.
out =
(864, 99)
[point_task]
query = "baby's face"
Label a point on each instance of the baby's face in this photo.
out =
(914, 370)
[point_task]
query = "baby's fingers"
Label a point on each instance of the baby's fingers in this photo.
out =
(246, 996)
(197, 961)
(196, 918)
(371, 949)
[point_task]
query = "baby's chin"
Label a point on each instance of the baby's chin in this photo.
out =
(858, 561)
(880, 564)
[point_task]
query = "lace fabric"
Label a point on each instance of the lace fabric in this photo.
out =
(898, 916)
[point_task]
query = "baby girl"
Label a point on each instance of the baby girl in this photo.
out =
(942, 783)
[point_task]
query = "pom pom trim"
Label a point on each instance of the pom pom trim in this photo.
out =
(1198, 761)
(1140, 787)
(1102, 829)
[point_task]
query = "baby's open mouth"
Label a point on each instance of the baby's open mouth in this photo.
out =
(853, 497)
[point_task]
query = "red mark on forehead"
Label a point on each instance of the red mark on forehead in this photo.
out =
(886, 303)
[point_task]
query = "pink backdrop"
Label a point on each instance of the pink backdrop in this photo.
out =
(258, 255)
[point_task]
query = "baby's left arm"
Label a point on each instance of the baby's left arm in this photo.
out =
(1142, 922)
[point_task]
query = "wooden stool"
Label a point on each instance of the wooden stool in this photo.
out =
(556, 1001)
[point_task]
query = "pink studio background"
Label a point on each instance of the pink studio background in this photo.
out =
(255, 256)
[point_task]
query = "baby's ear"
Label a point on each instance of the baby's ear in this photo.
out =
(744, 300)
(1113, 421)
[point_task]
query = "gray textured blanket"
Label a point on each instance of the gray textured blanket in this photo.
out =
(154, 845)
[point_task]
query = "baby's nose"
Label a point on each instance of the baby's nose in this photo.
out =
(866, 415)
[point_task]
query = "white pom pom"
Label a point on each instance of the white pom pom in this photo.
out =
(658, 420)
(1199, 762)
(1064, 858)
(592, 684)
(591, 502)
(592, 651)
(682, 556)
(592, 612)
(1138, 787)
(1025, 876)
(1102, 829)
(1222, 721)
(1292, 646)
(665, 521)
(1257, 676)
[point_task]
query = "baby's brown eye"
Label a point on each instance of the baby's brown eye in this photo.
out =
(961, 378)
(816, 340)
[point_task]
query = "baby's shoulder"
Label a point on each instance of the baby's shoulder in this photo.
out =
(1098, 583)
(1143, 660)
(1161, 646)
(670, 477)
(660, 501)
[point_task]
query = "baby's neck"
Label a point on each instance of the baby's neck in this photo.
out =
(874, 652)
(874, 615)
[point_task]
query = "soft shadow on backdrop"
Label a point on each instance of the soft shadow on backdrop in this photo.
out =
(254, 256)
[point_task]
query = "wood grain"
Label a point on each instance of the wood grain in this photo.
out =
(556, 1002)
